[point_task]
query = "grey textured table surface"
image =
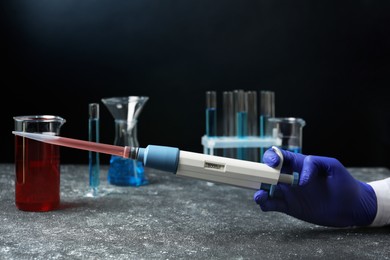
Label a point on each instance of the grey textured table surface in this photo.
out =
(172, 218)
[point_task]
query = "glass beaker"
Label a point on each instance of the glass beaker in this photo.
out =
(288, 130)
(125, 110)
(37, 164)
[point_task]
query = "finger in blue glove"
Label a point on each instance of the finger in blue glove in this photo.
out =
(327, 193)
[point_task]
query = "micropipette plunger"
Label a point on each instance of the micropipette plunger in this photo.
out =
(234, 172)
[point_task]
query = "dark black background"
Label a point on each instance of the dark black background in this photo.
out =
(327, 61)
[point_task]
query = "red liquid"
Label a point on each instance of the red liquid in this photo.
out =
(37, 183)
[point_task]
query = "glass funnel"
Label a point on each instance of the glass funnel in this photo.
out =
(125, 110)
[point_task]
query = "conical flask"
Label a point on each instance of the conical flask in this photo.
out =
(125, 110)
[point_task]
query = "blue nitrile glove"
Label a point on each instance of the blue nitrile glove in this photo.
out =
(326, 195)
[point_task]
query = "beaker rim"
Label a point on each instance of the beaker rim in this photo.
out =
(290, 120)
(39, 118)
(124, 99)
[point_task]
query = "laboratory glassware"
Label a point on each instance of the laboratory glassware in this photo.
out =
(267, 110)
(37, 164)
(229, 120)
(126, 110)
(289, 130)
(241, 110)
(251, 97)
(94, 158)
(211, 113)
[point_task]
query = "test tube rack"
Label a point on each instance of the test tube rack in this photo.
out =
(242, 125)
(210, 143)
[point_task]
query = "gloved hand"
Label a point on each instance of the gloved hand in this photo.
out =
(326, 195)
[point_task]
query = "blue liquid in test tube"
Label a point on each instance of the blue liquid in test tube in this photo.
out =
(241, 104)
(211, 118)
(263, 119)
(229, 121)
(252, 124)
(267, 110)
(242, 132)
(93, 136)
(211, 114)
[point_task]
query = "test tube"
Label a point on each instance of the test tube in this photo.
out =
(228, 120)
(267, 110)
(251, 97)
(93, 136)
(241, 105)
(211, 113)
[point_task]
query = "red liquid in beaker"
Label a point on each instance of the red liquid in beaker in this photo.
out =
(37, 167)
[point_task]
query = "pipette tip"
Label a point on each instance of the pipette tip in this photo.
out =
(36, 136)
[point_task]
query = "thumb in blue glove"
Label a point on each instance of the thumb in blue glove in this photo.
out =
(326, 195)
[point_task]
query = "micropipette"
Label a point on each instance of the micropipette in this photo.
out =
(206, 167)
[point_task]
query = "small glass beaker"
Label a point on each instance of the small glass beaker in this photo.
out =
(288, 130)
(125, 110)
(37, 164)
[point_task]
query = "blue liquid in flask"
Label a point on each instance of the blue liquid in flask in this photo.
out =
(126, 172)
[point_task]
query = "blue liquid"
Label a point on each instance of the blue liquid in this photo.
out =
(242, 132)
(262, 125)
(94, 172)
(211, 121)
(263, 119)
(94, 164)
(126, 172)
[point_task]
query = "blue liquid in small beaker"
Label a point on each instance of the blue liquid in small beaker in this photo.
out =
(122, 172)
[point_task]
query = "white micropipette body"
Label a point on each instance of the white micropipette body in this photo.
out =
(225, 170)
(234, 172)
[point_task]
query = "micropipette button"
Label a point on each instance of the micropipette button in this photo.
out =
(295, 179)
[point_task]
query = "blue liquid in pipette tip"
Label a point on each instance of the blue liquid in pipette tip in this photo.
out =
(126, 172)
